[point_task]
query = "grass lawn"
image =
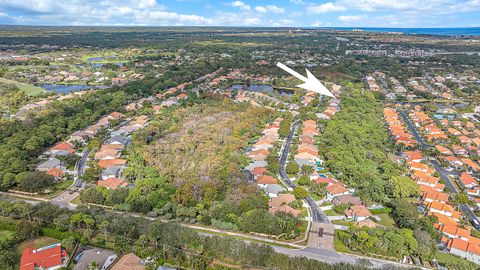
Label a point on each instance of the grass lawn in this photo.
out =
(340, 247)
(386, 221)
(315, 197)
(342, 222)
(29, 90)
(76, 200)
(59, 188)
(443, 258)
(331, 212)
(4, 235)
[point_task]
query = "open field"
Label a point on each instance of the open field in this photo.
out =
(30, 90)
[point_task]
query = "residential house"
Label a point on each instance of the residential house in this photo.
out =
(272, 190)
(336, 190)
(49, 257)
(464, 249)
(286, 209)
(467, 181)
(64, 147)
(107, 163)
(118, 140)
(50, 164)
(112, 183)
(357, 213)
(111, 172)
(129, 262)
(264, 180)
(347, 199)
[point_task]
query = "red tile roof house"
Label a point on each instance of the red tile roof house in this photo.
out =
(336, 190)
(414, 156)
(467, 181)
(49, 257)
(64, 146)
(286, 209)
(57, 173)
(258, 171)
(112, 183)
(265, 180)
(465, 249)
(357, 213)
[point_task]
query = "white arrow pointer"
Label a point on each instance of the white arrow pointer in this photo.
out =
(310, 83)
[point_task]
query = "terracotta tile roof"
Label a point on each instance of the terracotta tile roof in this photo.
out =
(112, 183)
(470, 163)
(112, 146)
(285, 209)
(47, 257)
(467, 179)
(107, 163)
(106, 153)
(281, 199)
(442, 219)
(414, 155)
(65, 146)
(358, 210)
(266, 179)
(258, 170)
(436, 196)
(440, 206)
(455, 230)
(56, 172)
(443, 150)
(336, 189)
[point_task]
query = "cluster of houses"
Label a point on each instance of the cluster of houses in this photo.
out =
(53, 165)
(307, 151)
(456, 238)
(109, 155)
(372, 84)
(333, 105)
(34, 107)
(264, 179)
(339, 194)
(398, 131)
(56, 257)
(426, 125)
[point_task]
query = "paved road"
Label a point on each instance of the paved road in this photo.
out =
(441, 171)
(317, 214)
(453, 188)
(64, 198)
(81, 168)
(412, 128)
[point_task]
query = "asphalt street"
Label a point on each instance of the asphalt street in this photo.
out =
(317, 214)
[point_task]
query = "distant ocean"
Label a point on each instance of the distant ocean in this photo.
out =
(473, 31)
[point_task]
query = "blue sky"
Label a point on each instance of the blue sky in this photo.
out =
(305, 13)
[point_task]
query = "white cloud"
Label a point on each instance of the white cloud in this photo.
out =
(298, 2)
(352, 18)
(325, 8)
(241, 5)
(269, 8)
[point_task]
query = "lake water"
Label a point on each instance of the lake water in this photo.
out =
(93, 61)
(66, 88)
(262, 88)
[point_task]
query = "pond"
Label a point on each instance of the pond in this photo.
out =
(99, 61)
(263, 88)
(68, 88)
